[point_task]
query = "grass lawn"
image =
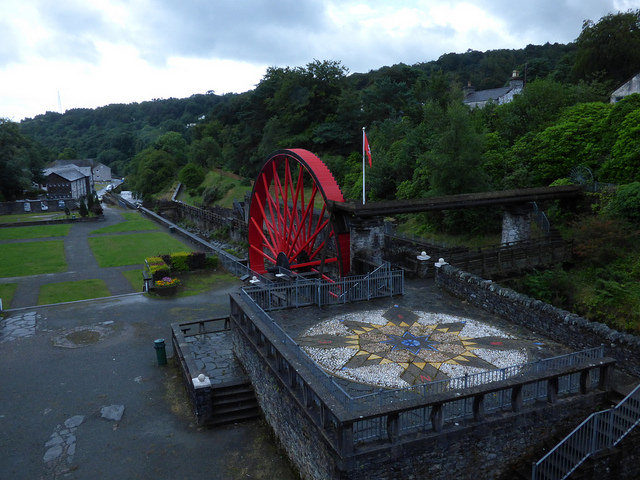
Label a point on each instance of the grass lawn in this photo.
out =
(132, 221)
(200, 282)
(7, 290)
(71, 291)
(18, 259)
(135, 278)
(118, 250)
(31, 217)
(37, 231)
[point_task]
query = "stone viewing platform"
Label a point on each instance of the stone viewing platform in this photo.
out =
(423, 385)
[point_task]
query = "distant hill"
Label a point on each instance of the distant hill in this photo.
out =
(115, 133)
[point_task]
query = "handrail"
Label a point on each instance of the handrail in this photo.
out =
(383, 265)
(594, 434)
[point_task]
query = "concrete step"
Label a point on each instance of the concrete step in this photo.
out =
(235, 416)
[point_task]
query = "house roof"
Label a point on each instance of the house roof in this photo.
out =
(68, 173)
(486, 95)
(78, 162)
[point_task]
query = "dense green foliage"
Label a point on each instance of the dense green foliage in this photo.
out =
(21, 161)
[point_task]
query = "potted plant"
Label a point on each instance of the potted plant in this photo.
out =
(167, 286)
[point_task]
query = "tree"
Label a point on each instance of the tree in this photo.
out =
(175, 145)
(21, 161)
(579, 137)
(610, 48)
(191, 175)
(624, 164)
(156, 169)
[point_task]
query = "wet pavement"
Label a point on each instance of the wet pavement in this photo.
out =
(52, 397)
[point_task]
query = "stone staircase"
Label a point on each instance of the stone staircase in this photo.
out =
(233, 403)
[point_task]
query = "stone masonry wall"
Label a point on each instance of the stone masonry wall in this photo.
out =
(559, 325)
(297, 435)
(473, 450)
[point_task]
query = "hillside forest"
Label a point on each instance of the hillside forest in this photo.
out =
(424, 142)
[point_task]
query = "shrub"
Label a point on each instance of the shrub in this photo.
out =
(626, 202)
(83, 209)
(180, 262)
(211, 195)
(197, 260)
(158, 268)
(599, 241)
(191, 175)
(212, 262)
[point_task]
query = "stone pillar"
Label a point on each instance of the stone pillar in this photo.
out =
(367, 239)
(516, 223)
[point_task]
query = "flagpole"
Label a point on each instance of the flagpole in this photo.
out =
(363, 197)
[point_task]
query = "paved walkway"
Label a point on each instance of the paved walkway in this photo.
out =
(214, 357)
(81, 263)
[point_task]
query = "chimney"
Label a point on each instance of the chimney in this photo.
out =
(468, 90)
(516, 82)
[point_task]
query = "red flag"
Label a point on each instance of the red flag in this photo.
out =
(367, 149)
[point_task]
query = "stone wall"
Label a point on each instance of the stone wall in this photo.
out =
(559, 325)
(471, 450)
(296, 433)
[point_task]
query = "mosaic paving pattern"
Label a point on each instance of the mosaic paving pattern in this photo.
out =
(399, 347)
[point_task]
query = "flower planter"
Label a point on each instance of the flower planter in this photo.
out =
(167, 291)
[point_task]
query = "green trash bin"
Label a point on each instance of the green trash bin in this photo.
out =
(161, 351)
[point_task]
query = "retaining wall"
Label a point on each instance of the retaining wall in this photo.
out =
(559, 325)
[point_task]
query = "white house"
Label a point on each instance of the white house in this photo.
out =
(629, 87)
(479, 98)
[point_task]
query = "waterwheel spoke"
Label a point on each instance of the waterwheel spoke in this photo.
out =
(311, 239)
(256, 249)
(314, 263)
(280, 197)
(301, 225)
(264, 239)
(270, 228)
(270, 202)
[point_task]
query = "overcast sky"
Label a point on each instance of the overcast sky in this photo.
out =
(88, 53)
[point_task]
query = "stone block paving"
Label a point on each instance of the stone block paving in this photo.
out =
(214, 357)
(19, 325)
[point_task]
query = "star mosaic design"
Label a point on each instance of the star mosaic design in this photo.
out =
(419, 348)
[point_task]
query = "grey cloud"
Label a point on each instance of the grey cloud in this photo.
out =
(72, 16)
(547, 20)
(252, 30)
(74, 27)
(65, 46)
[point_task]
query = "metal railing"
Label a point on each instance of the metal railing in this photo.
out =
(601, 430)
(482, 378)
(301, 293)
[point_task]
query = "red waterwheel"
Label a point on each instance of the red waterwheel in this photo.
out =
(289, 225)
